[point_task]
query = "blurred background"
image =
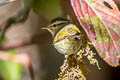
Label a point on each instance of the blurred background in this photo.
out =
(45, 59)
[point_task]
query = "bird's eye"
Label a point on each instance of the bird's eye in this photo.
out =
(54, 25)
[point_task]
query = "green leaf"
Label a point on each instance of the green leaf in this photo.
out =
(10, 70)
(47, 8)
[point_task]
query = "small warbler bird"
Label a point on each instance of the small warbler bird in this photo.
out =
(67, 38)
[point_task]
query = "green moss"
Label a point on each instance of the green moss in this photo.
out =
(73, 69)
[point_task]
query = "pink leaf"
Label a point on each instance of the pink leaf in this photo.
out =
(101, 21)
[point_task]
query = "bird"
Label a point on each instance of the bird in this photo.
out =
(67, 38)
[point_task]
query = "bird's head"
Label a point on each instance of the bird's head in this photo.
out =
(56, 25)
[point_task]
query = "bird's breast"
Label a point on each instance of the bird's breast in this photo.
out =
(68, 45)
(65, 41)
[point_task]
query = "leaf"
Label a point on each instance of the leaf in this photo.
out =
(101, 21)
(48, 8)
(10, 70)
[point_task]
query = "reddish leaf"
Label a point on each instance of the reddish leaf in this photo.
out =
(101, 21)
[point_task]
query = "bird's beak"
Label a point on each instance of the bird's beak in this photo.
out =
(45, 28)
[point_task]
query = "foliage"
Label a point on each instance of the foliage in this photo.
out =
(101, 21)
(48, 8)
(10, 70)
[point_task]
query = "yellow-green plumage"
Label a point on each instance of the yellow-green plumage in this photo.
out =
(66, 41)
(67, 38)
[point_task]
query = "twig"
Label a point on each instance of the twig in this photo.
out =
(32, 74)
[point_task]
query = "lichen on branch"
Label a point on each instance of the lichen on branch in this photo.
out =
(74, 67)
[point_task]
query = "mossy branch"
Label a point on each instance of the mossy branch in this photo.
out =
(74, 67)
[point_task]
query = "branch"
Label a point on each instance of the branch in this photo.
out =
(39, 38)
(20, 17)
